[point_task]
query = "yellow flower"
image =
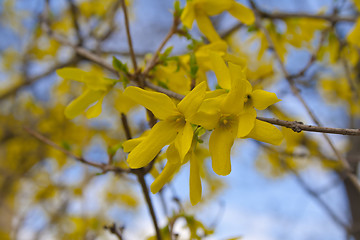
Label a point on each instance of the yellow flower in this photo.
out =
(201, 10)
(233, 115)
(97, 88)
(173, 124)
(173, 165)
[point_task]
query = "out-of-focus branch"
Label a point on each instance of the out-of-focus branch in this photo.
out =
(296, 92)
(127, 26)
(117, 231)
(330, 18)
(12, 91)
(104, 167)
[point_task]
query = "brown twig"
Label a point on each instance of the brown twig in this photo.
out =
(104, 167)
(127, 26)
(299, 126)
(144, 187)
(330, 18)
(117, 231)
(155, 58)
(34, 79)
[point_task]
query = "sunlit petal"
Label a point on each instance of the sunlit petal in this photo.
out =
(262, 99)
(183, 140)
(221, 141)
(72, 74)
(95, 111)
(221, 70)
(195, 180)
(165, 176)
(242, 13)
(206, 120)
(158, 103)
(246, 122)
(188, 15)
(81, 103)
(161, 134)
(266, 132)
(206, 26)
(192, 101)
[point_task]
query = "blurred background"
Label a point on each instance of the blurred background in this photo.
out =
(293, 191)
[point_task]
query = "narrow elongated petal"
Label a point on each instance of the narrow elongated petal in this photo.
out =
(354, 35)
(195, 180)
(221, 70)
(172, 154)
(237, 74)
(161, 134)
(165, 176)
(215, 7)
(72, 74)
(242, 13)
(206, 120)
(183, 140)
(234, 101)
(192, 101)
(188, 15)
(158, 103)
(206, 26)
(95, 110)
(221, 141)
(246, 122)
(81, 103)
(266, 132)
(129, 145)
(262, 99)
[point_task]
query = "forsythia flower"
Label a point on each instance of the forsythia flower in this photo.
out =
(233, 115)
(174, 124)
(201, 10)
(97, 88)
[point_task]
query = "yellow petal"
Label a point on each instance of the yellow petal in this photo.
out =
(206, 26)
(95, 110)
(266, 132)
(215, 7)
(123, 103)
(188, 15)
(192, 101)
(221, 70)
(237, 73)
(354, 35)
(163, 133)
(165, 176)
(158, 103)
(72, 74)
(183, 140)
(246, 122)
(195, 180)
(206, 120)
(81, 103)
(129, 145)
(172, 154)
(262, 99)
(234, 101)
(242, 13)
(221, 141)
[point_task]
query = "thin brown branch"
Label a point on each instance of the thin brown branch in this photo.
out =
(145, 191)
(74, 14)
(104, 167)
(231, 30)
(127, 26)
(117, 231)
(12, 91)
(299, 126)
(126, 126)
(155, 58)
(330, 18)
